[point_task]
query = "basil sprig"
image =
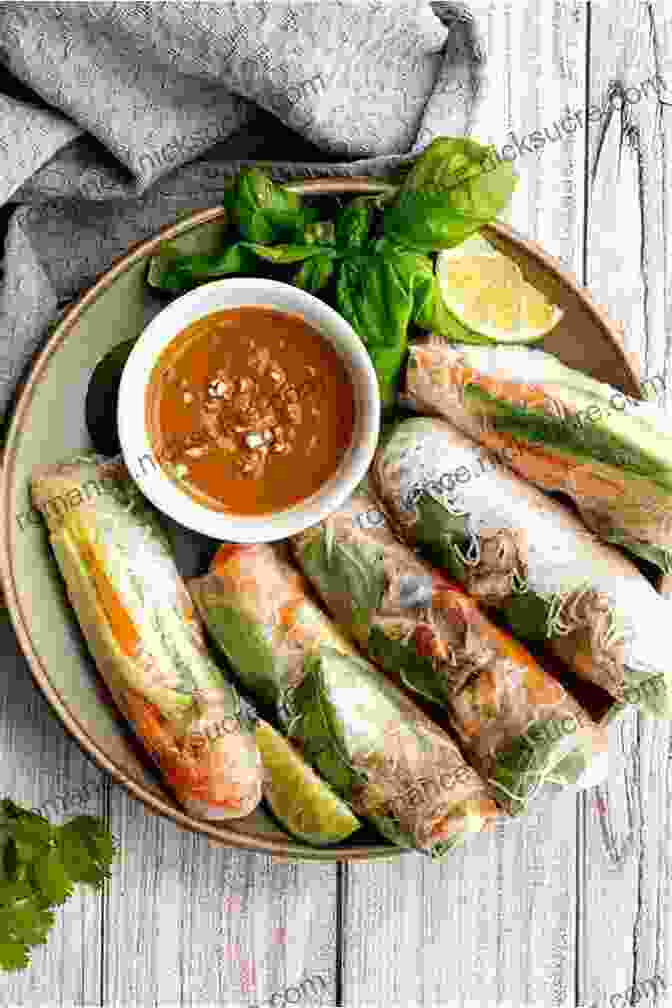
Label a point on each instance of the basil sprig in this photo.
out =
(376, 270)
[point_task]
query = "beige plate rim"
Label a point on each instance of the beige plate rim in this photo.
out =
(219, 833)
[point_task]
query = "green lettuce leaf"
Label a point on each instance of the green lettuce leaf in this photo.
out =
(586, 442)
(543, 754)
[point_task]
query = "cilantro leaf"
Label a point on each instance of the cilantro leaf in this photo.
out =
(39, 866)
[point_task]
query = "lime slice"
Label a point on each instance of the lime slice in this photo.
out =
(489, 297)
(304, 803)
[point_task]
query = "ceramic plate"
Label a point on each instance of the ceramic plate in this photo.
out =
(48, 425)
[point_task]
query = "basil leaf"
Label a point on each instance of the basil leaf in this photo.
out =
(314, 274)
(416, 671)
(526, 616)
(659, 556)
(265, 211)
(287, 254)
(181, 272)
(350, 575)
(353, 223)
(441, 531)
(380, 292)
(455, 187)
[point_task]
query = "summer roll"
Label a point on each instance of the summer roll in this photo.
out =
(147, 641)
(517, 724)
(561, 430)
(527, 555)
(384, 757)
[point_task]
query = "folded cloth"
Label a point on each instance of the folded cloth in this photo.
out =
(118, 116)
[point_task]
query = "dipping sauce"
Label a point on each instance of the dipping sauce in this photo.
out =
(250, 410)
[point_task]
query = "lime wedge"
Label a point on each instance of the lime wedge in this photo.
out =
(487, 294)
(304, 803)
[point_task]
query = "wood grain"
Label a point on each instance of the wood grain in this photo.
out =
(42, 768)
(625, 830)
(569, 905)
(208, 925)
(495, 924)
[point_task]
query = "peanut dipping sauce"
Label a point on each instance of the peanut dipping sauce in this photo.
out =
(249, 410)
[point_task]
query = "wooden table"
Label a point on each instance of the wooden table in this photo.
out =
(568, 906)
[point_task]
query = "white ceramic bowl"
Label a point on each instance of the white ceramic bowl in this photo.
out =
(134, 437)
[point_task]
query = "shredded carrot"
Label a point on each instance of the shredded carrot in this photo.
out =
(287, 613)
(486, 687)
(513, 649)
(148, 722)
(444, 588)
(121, 624)
(471, 727)
(225, 552)
(191, 781)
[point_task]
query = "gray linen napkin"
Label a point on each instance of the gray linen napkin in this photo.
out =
(118, 116)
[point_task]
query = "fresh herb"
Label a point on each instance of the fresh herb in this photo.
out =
(381, 290)
(526, 616)
(350, 574)
(376, 249)
(39, 866)
(659, 556)
(444, 533)
(266, 212)
(417, 672)
(455, 188)
(540, 756)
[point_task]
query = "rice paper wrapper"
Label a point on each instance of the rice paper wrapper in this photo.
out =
(528, 556)
(516, 722)
(378, 751)
(561, 430)
(145, 637)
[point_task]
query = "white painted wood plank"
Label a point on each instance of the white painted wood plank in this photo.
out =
(193, 924)
(492, 925)
(625, 864)
(495, 924)
(42, 768)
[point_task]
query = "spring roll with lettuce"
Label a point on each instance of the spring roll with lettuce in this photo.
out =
(527, 555)
(517, 724)
(561, 430)
(378, 751)
(147, 641)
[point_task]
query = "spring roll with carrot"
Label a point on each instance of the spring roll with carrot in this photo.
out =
(528, 556)
(563, 431)
(147, 641)
(378, 751)
(518, 725)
